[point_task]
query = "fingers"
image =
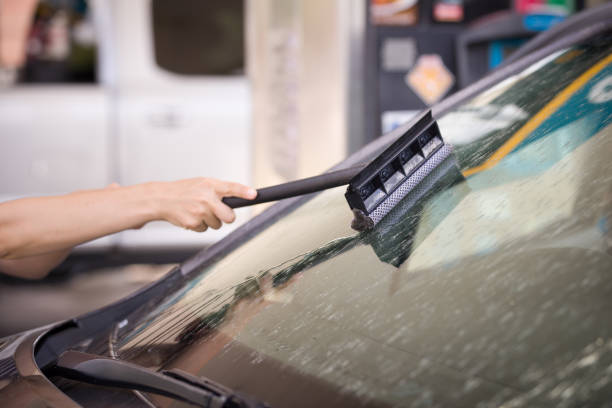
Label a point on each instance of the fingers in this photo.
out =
(200, 228)
(223, 212)
(212, 221)
(200, 218)
(195, 204)
(230, 189)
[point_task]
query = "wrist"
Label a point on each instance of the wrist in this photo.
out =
(150, 200)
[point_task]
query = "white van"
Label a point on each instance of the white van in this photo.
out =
(157, 111)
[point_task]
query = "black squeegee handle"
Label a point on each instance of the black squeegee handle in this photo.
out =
(297, 187)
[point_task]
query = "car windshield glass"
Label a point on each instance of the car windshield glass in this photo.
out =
(492, 285)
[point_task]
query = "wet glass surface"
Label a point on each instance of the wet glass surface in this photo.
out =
(489, 285)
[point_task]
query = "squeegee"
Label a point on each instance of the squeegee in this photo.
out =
(375, 188)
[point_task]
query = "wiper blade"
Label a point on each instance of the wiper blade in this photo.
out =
(177, 384)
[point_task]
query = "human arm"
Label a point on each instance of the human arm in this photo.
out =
(33, 267)
(41, 225)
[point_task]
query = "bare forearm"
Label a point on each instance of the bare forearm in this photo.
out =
(34, 226)
(33, 267)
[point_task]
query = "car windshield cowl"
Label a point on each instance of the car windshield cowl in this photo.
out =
(105, 371)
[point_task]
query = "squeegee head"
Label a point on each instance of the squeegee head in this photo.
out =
(383, 183)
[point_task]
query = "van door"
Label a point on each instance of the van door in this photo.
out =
(181, 99)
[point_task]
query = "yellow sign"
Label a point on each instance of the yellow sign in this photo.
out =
(430, 79)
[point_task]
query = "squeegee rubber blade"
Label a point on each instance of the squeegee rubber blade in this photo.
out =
(410, 183)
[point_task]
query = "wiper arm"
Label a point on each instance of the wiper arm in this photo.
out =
(105, 371)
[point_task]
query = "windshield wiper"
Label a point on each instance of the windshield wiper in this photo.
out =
(177, 384)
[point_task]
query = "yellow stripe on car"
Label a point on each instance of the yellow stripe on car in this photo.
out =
(533, 123)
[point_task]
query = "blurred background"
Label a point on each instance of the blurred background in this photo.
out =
(260, 92)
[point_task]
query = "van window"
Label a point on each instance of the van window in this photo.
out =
(61, 44)
(195, 37)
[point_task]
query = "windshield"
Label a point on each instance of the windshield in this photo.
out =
(489, 284)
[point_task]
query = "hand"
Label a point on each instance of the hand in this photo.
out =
(196, 204)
